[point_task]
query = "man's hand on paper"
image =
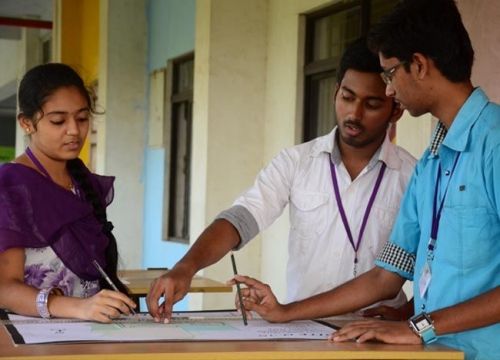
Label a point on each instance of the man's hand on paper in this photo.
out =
(390, 332)
(173, 286)
(259, 297)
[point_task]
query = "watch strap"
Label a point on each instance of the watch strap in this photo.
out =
(423, 326)
(428, 335)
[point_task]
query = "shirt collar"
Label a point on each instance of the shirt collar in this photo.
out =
(437, 138)
(386, 153)
(457, 136)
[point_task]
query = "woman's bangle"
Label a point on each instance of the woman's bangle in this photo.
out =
(42, 299)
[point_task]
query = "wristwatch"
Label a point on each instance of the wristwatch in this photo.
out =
(423, 326)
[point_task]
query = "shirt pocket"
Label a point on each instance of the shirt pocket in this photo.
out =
(384, 216)
(473, 235)
(308, 213)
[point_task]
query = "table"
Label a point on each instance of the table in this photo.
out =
(221, 350)
(139, 281)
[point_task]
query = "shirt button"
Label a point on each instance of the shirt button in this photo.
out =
(423, 307)
(447, 172)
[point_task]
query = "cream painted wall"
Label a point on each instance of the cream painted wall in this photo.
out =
(121, 133)
(481, 20)
(228, 121)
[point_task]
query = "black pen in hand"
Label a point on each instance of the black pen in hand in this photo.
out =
(238, 289)
(108, 280)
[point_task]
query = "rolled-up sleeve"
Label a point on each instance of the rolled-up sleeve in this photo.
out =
(243, 221)
(398, 255)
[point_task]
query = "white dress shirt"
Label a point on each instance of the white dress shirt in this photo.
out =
(320, 254)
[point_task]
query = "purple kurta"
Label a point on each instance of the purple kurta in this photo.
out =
(36, 213)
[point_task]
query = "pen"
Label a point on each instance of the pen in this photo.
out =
(238, 289)
(108, 280)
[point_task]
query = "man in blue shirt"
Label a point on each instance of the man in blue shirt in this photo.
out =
(447, 234)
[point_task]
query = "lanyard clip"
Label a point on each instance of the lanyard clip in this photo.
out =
(430, 249)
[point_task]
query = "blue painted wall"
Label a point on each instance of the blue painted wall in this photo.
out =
(171, 28)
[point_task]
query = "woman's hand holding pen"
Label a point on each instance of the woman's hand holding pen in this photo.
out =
(259, 297)
(105, 306)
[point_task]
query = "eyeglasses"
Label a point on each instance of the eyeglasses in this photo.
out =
(388, 74)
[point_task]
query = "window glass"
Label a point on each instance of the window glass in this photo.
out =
(180, 101)
(332, 32)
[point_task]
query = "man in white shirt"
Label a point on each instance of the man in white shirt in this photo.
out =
(343, 190)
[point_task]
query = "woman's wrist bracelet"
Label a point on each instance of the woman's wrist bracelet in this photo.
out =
(42, 299)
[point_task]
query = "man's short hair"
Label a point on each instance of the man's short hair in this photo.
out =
(358, 56)
(433, 28)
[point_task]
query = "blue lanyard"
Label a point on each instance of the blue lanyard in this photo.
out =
(436, 212)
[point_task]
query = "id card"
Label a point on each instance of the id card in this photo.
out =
(425, 280)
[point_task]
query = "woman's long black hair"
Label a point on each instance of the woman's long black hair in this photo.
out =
(77, 171)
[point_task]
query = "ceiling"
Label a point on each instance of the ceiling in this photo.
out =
(24, 9)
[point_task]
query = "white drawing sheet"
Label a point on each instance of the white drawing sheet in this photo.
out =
(195, 326)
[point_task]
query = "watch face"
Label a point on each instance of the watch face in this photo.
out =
(421, 324)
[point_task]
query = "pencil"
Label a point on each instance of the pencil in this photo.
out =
(238, 289)
(108, 280)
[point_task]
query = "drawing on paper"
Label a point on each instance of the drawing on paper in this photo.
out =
(195, 326)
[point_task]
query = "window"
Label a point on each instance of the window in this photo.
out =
(328, 32)
(46, 48)
(180, 104)
(8, 126)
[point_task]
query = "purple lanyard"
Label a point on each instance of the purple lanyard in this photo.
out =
(436, 212)
(367, 211)
(40, 167)
(37, 163)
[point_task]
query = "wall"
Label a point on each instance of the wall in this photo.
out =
(79, 37)
(121, 130)
(481, 20)
(229, 97)
(171, 30)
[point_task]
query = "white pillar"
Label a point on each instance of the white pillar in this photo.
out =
(120, 139)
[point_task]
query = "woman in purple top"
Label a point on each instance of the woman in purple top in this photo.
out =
(53, 225)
